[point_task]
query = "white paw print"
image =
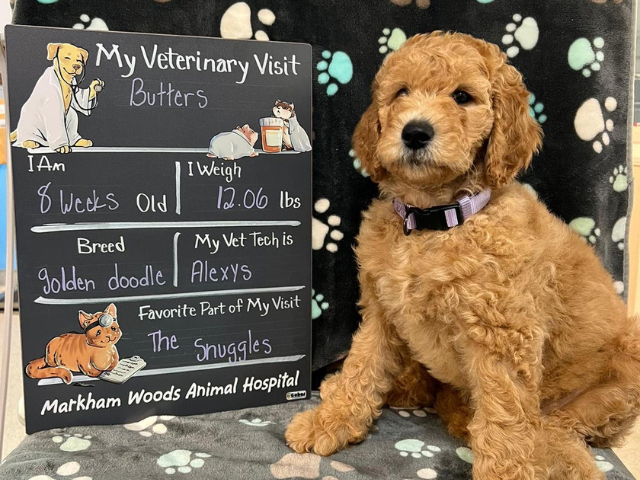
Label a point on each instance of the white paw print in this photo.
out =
(236, 22)
(618, 232)
(465, 454)
(357, 164)
(619, 286)
(180, 460)
(418, 412)
(586, 227)
(148, 426)
(589, 122)
(603, 465)
(391, 39)
(416, 448)
(320, 230)
(524, 32)
(256, 422)
(66, 470)
(619, 179)
(72, 443)
(90, 24)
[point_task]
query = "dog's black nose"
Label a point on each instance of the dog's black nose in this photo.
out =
(416, 135)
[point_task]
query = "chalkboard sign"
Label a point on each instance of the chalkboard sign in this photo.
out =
(163, 223)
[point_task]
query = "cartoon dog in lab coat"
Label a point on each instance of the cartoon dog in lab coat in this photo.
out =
(49, 117)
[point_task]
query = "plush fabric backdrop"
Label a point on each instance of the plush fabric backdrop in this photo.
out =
(575, 56)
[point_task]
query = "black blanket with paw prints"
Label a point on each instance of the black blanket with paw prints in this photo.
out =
(575, 56)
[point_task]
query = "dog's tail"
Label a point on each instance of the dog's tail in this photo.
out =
(13, 136)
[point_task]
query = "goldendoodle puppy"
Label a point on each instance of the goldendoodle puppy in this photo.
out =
(488, 305)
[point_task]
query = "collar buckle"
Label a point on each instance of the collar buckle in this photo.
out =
(441, 217)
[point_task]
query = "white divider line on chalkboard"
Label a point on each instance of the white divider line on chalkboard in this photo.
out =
(44, 150)
(165, 296)
(175, 259)
(178, 188)
(190, 368)
(67, 227)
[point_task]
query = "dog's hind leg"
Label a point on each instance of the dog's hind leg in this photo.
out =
(604, 414)
(413, 387)
(567, 455)
(453, 407)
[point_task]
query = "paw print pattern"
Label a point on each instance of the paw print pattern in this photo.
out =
(586, 55)
(180, 460)
(589, 122)
(336, 67)
(357, 164)
(86, 23)
(236, 22)
(391, 39)
(465, 454)
(619, 231)
(603, 465)
(72, 443)
(256, 422)
(320, 230)
(318, 305)
(420, 412)
(521, 34)
(428, 473)
(148, 426)
(68, 470)
(586, 227)
(419, 3)
(536, 109)
(619, 179)
(619, 287)
(416, 448)
(305, 465)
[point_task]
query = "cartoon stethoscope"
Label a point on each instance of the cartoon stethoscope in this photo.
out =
(75, 86)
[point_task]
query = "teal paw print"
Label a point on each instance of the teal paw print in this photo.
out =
(619, 179)
(416, 448)
(603, 465)
(465, 454)
(317, 305)
(337, 67)
(357, 164)
(536, 109)
(485, 1)
(586, 227)
(391, 40)
(583, 56)
(47, 2)
(618, 232)
(180, 461)
(72, 443)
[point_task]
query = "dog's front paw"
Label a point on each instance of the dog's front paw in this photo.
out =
(308, 433)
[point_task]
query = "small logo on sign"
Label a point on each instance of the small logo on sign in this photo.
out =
(296, 395)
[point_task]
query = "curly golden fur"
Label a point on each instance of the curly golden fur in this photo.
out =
(508, 323)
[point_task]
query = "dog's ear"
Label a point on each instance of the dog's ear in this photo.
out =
(365, 139)
(52, 50)
(515, 136)
(84, 54)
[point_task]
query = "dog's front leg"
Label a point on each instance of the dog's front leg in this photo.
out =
(503, 364)
(353, 398)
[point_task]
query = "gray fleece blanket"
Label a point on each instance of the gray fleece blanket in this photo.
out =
(249, 444)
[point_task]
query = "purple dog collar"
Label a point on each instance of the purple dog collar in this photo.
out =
(441, 217)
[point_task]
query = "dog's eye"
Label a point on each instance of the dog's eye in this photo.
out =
(402, 92)
(461, 97)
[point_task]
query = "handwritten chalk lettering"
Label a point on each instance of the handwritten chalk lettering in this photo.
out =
(168, 97)
(82, 403)
(216, 169)
(206, 240)
(45, 165)
(115, 51)
(284, 380)
(287, 239)
(237, 307)
(233, 240)
(232, 352)
(87, 247)
(283, 303)
(145, 312)
(249, 199)
(196, 391)
(276, 67)
(170, 343)
(144, 396)
(150, 278)
(269, 240)
(72, 203)
(202, 272)
(257, 303)
(287, 201)
(65, 282)
(207, 309)
(148, 203)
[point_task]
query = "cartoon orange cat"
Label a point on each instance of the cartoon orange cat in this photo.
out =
(90, 353)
